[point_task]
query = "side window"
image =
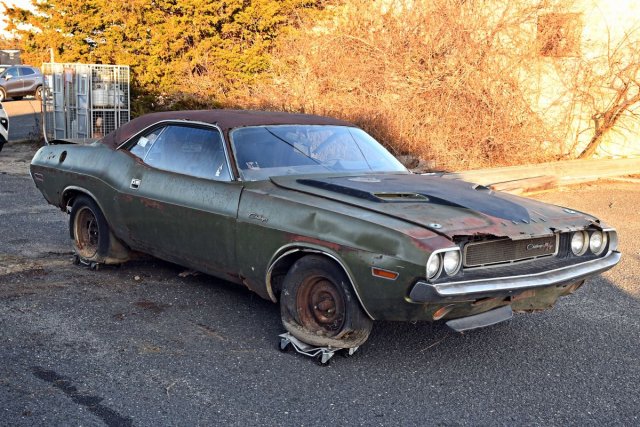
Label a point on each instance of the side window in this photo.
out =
(145, 142)
(13, 72)
(187, 150)
(27, 71)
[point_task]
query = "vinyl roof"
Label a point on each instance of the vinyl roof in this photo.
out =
(225, 119)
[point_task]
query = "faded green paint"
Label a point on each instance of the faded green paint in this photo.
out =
(235, 230)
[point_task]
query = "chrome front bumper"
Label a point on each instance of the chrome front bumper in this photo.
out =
(423, 292)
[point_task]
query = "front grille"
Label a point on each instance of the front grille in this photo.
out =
(507, 250)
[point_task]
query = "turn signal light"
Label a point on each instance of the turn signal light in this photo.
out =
(385, 274)
(442, 311)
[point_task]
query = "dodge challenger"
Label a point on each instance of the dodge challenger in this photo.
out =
(312, 213)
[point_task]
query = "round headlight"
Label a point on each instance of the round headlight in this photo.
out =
(579, 242)
(433, 266)
(451, 262)
(597, 242)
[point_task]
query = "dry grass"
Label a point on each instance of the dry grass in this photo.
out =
(450, 81)
(428, 78)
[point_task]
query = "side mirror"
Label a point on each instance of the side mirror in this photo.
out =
(7, 77)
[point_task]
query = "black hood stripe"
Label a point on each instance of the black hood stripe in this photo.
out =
(438, 190)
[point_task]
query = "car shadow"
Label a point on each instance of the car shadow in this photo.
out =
(596, 311)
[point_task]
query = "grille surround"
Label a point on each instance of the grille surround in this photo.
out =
(507, 251)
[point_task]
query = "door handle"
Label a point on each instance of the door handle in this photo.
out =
(135, 183)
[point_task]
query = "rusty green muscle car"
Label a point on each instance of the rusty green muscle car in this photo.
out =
(313, 213)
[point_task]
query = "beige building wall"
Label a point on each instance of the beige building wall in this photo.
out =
(572, 82)
(570, 53)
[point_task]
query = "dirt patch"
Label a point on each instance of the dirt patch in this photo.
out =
(151, 306)
(16, 157)
(11, 264)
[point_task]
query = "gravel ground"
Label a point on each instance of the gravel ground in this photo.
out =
(141, 345)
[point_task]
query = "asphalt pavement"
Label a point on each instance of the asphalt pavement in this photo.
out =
(25, 119)
(142, 345)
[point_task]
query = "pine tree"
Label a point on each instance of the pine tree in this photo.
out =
(164, 41)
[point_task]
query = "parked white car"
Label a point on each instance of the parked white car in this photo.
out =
(4, 127)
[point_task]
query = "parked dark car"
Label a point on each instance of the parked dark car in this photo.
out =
(19, 81)
(313, 213)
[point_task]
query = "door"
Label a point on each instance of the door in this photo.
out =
(11, 82)
(178, 200)
(30, 80)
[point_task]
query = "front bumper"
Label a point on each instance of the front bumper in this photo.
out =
(423, 292)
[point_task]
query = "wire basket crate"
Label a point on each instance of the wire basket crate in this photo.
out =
(84, 101)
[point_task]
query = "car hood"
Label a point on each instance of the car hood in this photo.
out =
(446, 206)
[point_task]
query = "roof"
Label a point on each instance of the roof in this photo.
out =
(225, 119)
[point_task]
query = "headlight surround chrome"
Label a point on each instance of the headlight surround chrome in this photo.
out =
(597, 242)
(451, 262)
(434, 265)
(448, 260)
(579, 242)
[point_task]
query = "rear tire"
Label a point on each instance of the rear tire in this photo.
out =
(93, 241)
(38, 93)
(89, 230)
(317, 305)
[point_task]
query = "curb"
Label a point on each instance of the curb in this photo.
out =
(542, 176)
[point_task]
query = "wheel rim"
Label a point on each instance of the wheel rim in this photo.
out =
(321, 307)
(86, 233)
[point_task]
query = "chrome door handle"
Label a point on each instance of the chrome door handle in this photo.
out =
(135, 183)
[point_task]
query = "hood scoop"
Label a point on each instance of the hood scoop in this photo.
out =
(383, 196)
(401, 197)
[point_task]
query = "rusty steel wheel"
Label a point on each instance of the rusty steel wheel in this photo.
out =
(86, 233)
(317, 305)
(89, 230)
(320, 306)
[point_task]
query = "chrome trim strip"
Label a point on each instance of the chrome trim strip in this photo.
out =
(613, 238)
(316, 251)
(81, 190)
(546, 278)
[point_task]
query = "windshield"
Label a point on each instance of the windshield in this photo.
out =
(265, 151)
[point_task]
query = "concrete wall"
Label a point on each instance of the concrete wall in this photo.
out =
(570, 89)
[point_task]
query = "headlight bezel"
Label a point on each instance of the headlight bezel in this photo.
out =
(608, 239)
(438, 256)
(603, 244)
(435, 271)
(458, 264)
(585, 242)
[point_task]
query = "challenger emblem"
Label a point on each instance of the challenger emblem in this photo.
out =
(545, 246)
(258, 217)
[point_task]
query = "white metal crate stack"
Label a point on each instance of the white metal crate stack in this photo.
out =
(84, 101)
